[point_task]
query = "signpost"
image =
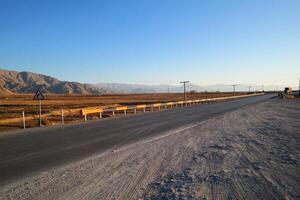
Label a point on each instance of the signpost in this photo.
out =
(39, 96)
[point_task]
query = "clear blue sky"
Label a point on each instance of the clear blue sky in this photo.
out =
(154, 41)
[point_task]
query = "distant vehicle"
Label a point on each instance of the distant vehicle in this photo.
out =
(287, 93)
(288, 90)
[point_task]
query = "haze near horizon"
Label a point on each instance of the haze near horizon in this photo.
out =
(154, 42)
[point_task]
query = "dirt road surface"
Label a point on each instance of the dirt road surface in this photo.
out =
(249, 153)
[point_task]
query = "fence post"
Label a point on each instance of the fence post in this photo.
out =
(165, 107)
(113, 113)
(23, 115)
(135, 111)
(125, 112)
(152, 109)
(62, 116)
(144, 109)
(100, 115)
(158, 108)
(85, 118)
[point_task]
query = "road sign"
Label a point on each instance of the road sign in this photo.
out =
(38, 95)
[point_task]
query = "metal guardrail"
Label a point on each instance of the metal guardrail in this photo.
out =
(87, 111)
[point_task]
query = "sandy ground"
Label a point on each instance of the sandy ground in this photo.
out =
(251, 153)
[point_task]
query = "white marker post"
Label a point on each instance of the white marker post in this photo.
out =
(23, 115)
(100, 115)
(62, 116)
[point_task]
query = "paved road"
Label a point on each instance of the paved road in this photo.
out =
(23, 153)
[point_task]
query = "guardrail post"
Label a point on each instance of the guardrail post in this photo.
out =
(135, 111)
(23, 115)
(125, 112)
(62, 116)
(113, 113)
(100, 115)
(85, 118)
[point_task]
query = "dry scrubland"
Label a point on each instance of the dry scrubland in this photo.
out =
(11, 106)
(250, 153)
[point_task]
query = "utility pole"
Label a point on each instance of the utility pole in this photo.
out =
(234, 89)
(168, 93)
(184, 91)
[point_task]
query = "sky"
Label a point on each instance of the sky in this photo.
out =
(154, 41)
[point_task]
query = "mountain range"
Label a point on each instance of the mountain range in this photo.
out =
(28, 82)
(140, 88)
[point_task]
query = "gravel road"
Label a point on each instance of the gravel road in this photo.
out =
(249, 153)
